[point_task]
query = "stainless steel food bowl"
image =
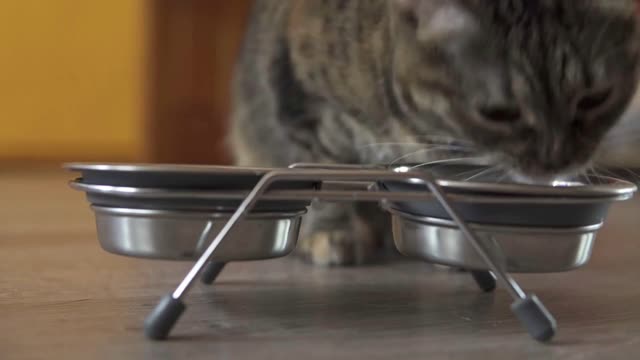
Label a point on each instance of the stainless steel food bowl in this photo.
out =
(219, 215)
(516, 249)
(582, 202)
(182, 177)
(527, 228)
(176, 235)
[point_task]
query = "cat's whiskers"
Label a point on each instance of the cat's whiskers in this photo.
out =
(482, 173)
(427, 151)
(394, 152)
(635, 176)
(587, 173)
(467, 173)
(502, 177)
(408, 144)
(443, 138)
(590, 173)
(392, 144)
(475, 173)
(602, 173)
(447, 161)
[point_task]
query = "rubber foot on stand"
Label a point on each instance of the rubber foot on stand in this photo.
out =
(159, 323)
(536, 318)
(485, 280)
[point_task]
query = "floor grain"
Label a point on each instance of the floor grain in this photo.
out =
(62, 297)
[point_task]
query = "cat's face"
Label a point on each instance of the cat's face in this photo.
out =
(535, 83)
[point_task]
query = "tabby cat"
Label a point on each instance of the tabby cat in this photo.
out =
(533, 84)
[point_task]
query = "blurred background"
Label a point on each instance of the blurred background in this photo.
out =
(118, 80)
(128, 80)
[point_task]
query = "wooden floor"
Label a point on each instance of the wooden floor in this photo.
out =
(62, 297)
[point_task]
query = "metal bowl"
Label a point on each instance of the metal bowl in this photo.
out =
(180, 199)
(177, 235)
(183, 177)
(516, 249)
(581, 202)
(455, 178)
(528, 228)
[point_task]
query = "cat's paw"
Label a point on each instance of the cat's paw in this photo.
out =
(338, 248)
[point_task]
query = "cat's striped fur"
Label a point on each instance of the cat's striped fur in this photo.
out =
(535, 84)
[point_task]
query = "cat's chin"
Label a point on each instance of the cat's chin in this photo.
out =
(567, 176)
(516, 175)
(564, 179)
(544, 180)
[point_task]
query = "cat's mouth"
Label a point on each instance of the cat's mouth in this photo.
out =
(546, 180)
(487, 173)
(472, 164)
(527, 168)
(533, 174)
(496, 168)
(540, 172)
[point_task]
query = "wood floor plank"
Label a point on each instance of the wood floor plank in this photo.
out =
(61, 296)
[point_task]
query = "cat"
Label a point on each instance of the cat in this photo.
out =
(620, 149)
(535, 85)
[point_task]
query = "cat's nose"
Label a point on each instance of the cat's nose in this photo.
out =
(592, 102)
(496, 103)
(500, 113)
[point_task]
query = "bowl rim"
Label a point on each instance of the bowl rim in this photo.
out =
(615, 187)
(151, 213)
(166, 169)
(487, 227)
(309, 196)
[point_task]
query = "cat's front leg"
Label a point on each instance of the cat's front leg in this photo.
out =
(341, 235)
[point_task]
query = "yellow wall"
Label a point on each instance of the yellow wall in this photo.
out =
(71, 82)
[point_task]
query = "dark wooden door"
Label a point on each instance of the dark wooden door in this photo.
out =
(193, 47)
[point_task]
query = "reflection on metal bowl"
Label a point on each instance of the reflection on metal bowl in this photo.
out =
(581, 202)
(516, 249)
(172, 235)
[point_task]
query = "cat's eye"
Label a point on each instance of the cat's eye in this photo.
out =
(593, 100)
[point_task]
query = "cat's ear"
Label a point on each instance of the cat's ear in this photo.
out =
(434, 18)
